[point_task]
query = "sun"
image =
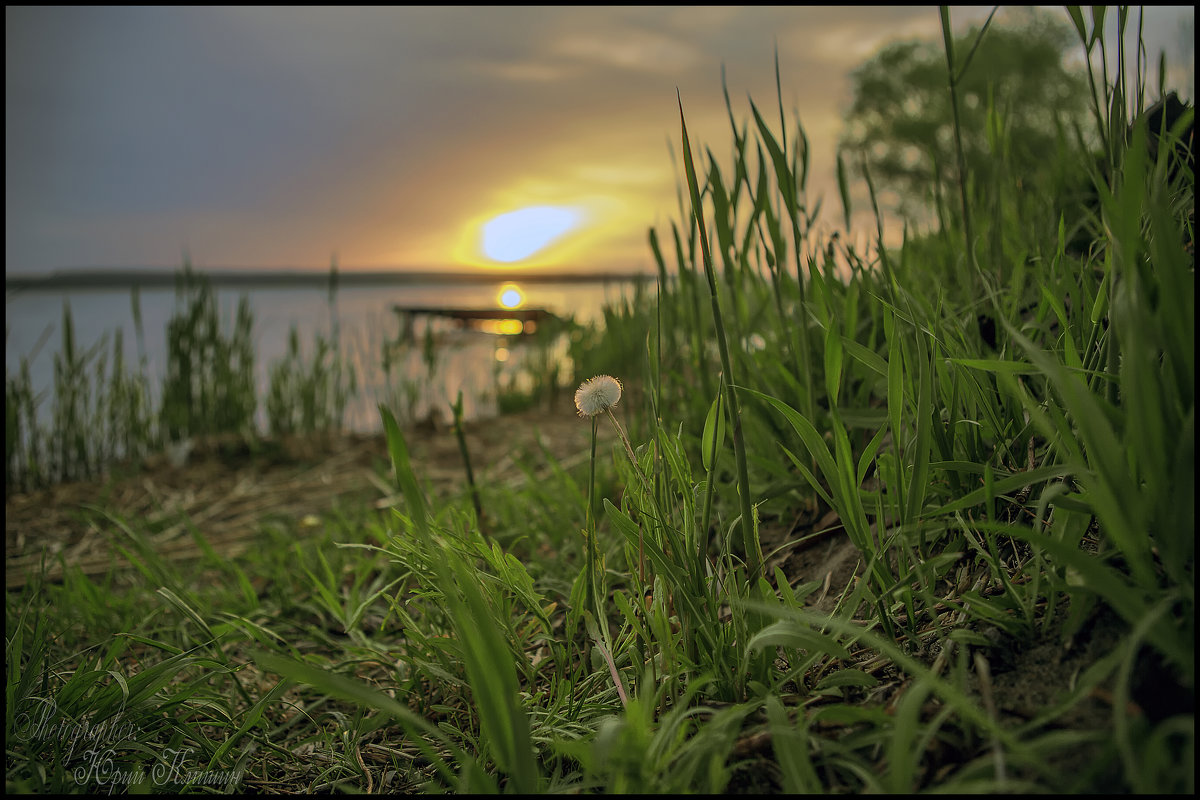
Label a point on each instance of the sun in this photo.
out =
(520, 234)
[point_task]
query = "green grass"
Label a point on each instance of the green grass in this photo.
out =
(1018, 614)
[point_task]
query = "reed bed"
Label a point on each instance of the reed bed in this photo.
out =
(105, 416)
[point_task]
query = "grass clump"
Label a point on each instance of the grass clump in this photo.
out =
(100, 414)
(209, 384)
(309, 398)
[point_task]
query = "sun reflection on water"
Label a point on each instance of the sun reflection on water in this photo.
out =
(511, 296)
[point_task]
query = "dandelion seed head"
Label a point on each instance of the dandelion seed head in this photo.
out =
(596, 395)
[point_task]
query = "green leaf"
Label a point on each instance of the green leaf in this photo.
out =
(493, 677)
(847, 677)
(398, 451)
(790, 743)
(714, 433)
(789, 633)
(833, 364)
(998, 365)
(844, 189)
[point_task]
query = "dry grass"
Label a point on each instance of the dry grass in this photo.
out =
(228, 491)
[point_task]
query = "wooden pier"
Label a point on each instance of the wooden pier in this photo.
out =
(477, 318)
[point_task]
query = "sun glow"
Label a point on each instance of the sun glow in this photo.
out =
(520, 234)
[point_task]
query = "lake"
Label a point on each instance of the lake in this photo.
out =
(474, 363)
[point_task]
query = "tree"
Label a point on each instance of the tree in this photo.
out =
(901, 128)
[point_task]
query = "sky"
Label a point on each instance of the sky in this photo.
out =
(405, 137)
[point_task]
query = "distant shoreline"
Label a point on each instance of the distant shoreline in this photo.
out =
(128, 278)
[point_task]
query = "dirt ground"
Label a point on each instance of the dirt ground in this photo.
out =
(227, 488)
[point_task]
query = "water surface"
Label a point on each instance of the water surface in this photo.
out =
(367, 327)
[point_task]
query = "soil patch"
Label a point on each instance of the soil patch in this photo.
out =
(228, 488)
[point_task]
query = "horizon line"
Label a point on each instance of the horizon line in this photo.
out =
(97, 277)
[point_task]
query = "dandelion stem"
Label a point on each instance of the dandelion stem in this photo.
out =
(645, 483)
(593, 600)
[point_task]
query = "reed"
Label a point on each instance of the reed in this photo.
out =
(209, 385)
(310, 397)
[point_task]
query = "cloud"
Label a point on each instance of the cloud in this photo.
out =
(525, 71)
(847, 45)
(637, 50)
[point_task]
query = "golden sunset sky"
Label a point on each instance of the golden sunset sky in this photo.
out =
(279, 137)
